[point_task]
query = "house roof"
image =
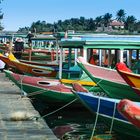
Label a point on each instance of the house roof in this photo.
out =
(116, 23)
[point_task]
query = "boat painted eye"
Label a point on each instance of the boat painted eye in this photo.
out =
(43, 83)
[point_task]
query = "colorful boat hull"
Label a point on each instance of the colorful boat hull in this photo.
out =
(6, 60)
(106, 109)
(131, 78)
(29, 68)
(49, 90)
(130, 110)
(9, 63)
(108, 80)
(35, 70)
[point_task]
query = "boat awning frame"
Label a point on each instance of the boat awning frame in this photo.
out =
(120, 45)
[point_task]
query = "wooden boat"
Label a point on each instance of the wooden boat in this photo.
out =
(30, 67)
(34, 70)
(48, 90)
(51, 64)
(131, 78)
(10, 63)
(106, 109)
(48, 70)
(108, 80)
(130, 110)
(85, 82)
(6, 60)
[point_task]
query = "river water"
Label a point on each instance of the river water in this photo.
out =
(72, 123)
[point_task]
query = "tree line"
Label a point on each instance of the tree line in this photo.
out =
(131, 24)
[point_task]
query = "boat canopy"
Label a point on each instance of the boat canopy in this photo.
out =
(43, 38)
(120, 45)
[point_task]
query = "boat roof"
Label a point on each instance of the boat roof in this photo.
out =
(43, 38)
(61, 35)
(102, 42)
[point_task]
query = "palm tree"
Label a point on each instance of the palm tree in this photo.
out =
(130, 23)
(106, 19)
(137, 27)
(91, 25)
(121, 15)
(98, 21)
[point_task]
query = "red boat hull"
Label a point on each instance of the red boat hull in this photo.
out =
(130, 110)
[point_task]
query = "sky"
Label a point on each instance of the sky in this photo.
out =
(22, 13)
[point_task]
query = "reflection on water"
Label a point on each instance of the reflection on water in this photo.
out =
(74, 124)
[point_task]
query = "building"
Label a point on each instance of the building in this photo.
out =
(116, 24)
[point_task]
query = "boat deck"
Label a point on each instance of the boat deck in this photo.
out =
(19, 129)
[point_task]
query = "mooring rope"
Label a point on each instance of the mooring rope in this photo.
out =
(32, 93)
(37, 118)
(40, 92)
(97, 113)
(21, 87)
(112, 122)
(96, 119)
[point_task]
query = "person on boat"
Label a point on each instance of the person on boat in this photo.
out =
(18, 48)
(66, 34)
(93, 60)
(8, 48)
(30, 36)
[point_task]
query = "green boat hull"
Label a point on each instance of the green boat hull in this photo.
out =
(131, 132)
(112, 89)
(49, 96)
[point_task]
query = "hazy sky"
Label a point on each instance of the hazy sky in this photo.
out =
(21, 13)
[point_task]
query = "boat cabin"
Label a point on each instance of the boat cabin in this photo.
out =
(43, 42)
(43, 47)
(101, 50)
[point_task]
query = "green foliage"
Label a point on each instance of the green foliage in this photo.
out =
(83, 24)
(130, 23)
(137, 27)
(107, 19)
(121, 15)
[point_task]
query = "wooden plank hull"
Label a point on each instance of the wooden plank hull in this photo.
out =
(7, 61)
(130, 110)
(107, 114)
(49, 90)
(132, 79)
(31, 69)
(35, 70)
(109, 80)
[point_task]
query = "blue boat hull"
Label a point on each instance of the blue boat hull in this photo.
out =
(107, 111)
